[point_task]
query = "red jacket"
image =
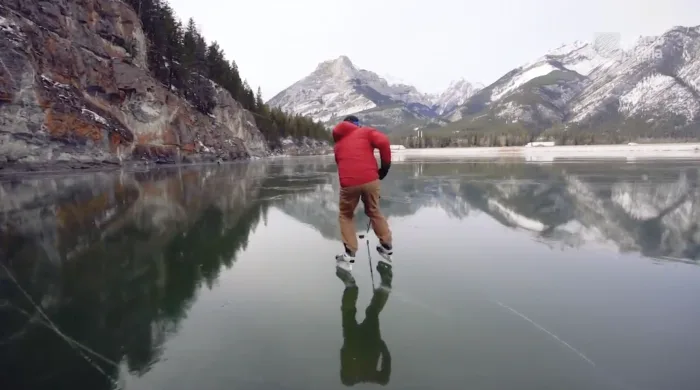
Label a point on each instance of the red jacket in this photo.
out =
(354, 153)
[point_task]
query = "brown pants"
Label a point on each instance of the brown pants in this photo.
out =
(349, 198)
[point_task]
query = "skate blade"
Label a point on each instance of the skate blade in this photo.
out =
(383, 257)
(343, 265)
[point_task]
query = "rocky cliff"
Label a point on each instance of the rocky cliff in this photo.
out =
(75, 91)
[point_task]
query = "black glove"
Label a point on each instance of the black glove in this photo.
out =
(384, 170)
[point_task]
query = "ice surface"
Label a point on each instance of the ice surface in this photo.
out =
(642, 151)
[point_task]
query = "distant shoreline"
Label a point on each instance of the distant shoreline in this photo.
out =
(534, 153)
(680, 150)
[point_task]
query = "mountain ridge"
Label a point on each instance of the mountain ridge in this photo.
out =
(580, 92)
(337, 87)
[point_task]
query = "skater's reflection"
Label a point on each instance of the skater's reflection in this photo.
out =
(363, 346)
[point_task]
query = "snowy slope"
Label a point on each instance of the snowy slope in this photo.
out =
(656, 81)
(337, 88)
(455, 95)
(659, 77)
(583, 57)
(328, 91)
(553, 79)
(659, 94)
(537, 94)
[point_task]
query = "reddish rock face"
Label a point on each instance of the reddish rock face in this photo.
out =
(70, 83)
(157, 153)
(67, 126)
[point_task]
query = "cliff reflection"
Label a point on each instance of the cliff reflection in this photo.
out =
(115, 261)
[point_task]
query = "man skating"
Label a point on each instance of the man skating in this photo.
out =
(359, 179)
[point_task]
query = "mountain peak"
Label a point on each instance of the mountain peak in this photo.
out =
(343, 59)
(458, 83)
(340, 68)
(337, 88)
(455, 95)
(340, 62)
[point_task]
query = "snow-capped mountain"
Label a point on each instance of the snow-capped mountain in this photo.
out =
(455, 95)
(596, 85)
(651, 90)
(539, 91)
(338, 88)
(657, 79)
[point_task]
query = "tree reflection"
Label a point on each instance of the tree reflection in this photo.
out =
(116, 260)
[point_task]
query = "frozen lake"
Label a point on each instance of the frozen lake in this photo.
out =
(557, 275)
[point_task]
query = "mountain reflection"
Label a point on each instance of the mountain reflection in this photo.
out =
(115, 259)
(634, 208)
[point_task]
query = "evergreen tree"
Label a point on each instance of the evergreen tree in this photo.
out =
(259, 103)
(180, 59)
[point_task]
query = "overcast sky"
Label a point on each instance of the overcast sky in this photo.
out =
(425, 43)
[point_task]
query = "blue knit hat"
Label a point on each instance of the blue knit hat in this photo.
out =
(352, 119)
